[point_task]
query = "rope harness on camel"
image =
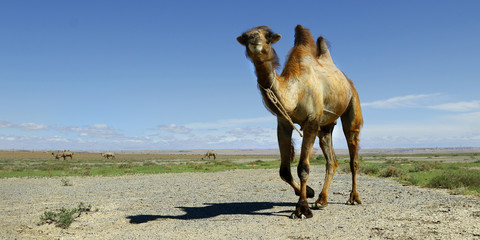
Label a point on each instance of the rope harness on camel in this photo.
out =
(273, 98)
(271, 95)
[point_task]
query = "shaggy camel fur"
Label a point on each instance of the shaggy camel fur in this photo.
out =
(314, 93)
(63, 155)
(108, 155)
(210, 153)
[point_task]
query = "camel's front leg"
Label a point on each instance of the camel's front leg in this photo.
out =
(287, 153)
(302, 209)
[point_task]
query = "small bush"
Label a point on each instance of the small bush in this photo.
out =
(66, 182)
(65, 217)
(370, 169)
(149, 163)
(391, 171)
(423, 167)
(125, 165)
(411, 179)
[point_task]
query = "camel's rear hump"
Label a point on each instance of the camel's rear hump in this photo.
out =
(322, 50)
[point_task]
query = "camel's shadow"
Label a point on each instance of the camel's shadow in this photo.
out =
(211, 210)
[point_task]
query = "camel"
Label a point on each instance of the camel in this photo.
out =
(313, 93)
(63, 155)
(210, 153)
(108, 155)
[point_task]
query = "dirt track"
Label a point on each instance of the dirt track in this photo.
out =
(241, 204)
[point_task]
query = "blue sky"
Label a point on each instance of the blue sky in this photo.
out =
(126, 75)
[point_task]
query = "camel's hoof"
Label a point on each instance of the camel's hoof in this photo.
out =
(354, 198)
(318, 205)
(302, 211)
(294, 216)
(310, 192)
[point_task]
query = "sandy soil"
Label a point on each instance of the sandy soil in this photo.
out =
(240, 204)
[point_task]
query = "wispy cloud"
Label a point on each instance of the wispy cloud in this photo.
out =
(93, 131)
(32, 126)
(427, 101)
(458, 106)
(173, 128)
(28, 126)
(5, 124)
(230, 123)
(419, 100)
(251, 130)
(453, 130)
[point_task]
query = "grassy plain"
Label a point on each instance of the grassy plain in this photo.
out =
(43, 164)
(460, 173)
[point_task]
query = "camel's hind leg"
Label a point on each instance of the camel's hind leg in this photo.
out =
(325, 136)
(352, 122)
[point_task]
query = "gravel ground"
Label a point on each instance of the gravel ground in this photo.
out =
(240, 204)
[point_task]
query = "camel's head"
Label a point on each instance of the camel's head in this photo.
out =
(258, 42)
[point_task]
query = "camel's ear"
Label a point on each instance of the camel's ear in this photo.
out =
(241, 39)
(275, 38)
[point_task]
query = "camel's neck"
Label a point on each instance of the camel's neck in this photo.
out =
(265, 73)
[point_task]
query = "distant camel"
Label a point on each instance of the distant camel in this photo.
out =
(108, 155)
(63, 155)
(210, 153)
(313, 93)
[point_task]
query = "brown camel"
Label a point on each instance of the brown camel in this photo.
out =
(108, 155)
(210, 153)
(63, 155)
(313, 93)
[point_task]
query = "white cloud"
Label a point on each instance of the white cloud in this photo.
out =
(93, 131)
(5, 124)
(173, 128)
(247, 131)
(461, 130)
(419, 100)
(32, 126)
(99, 126)
(458, 106)
(231, 123)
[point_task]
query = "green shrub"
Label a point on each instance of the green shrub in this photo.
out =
(411, 179)
(423, 167)
(370, 169)
(391, 171)
(65, 217)
(456, 179)
(66, 182)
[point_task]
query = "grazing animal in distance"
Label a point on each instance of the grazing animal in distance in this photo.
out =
(108, 155)
(63, 154)
(313, 93)
(208, 154)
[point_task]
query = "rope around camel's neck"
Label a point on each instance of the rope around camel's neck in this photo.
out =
(273, 98)
(270, 76)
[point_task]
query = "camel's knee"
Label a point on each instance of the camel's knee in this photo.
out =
(303, 170)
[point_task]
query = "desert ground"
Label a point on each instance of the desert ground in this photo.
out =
(236, 204)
